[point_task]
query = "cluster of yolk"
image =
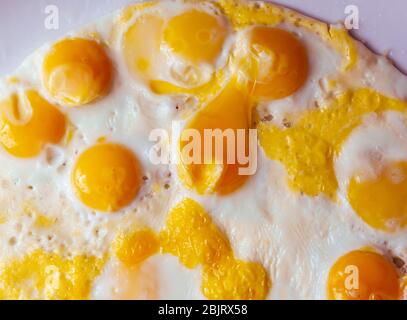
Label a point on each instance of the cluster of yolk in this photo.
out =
(190, 234)
(52, 276)
(363, 275)
(77, 71)
(307, 148)
(28, 122)
(381, 201)
(106, 177)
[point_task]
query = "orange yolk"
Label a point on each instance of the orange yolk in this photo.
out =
(28, 122)
(196, 36)
(228, 112)
(363, 275)
(106, 177)
(277, 65)
(77, 71)
(381, 202)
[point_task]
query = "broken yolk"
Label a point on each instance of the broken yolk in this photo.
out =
(277, 64)
(307, 146)
(106, 177)
(133, 248)
(43, 275)
(77, 71)
(220, 173)
(28, 122)
(191, 235)
(381, 202)
(363, 275)
(196, 36)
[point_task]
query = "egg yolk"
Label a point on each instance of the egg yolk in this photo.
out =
(191, 235)
(196, 35)
(77, 71)
(277, 64)
(43, 275)
(133, 248)
(381, 202)
(229, 112)
(307, 146)
(106, 177)
(363, 275)
(28, 122)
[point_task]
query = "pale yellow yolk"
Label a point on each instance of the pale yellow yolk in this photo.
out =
(277, 64)
(307, 146)
(42, 275)
(363, 275)
(191, 235)
(106, 177)
(77, 71)
(196, 35)
(133, 248)
(141, 45)
(228, 112)
(381, 202)
(28, 122)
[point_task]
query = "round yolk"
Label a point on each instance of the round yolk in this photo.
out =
(77, 71)
(29, 122)
(277, 65)
(196, 36)
(381, 202)
(363, 275)
(106, 177)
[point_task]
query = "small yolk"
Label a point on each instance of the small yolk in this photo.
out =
(381, 202)
(363, 275)
(106, 177)
(135, 247)
(196, 35)
(77, 71)
(28, 122)
(277, 65)
(225, 116)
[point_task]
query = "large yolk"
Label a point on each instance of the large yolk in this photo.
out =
(191, 235)
(363, 275)
(106, 177)
(228, 112)
(135, 247)
(77, 71)
(381, 202)
(28, 122)
(277, 65)
(196, 36)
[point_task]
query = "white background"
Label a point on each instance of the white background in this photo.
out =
(383, 23)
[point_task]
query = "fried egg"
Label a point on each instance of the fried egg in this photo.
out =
(85, 213)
